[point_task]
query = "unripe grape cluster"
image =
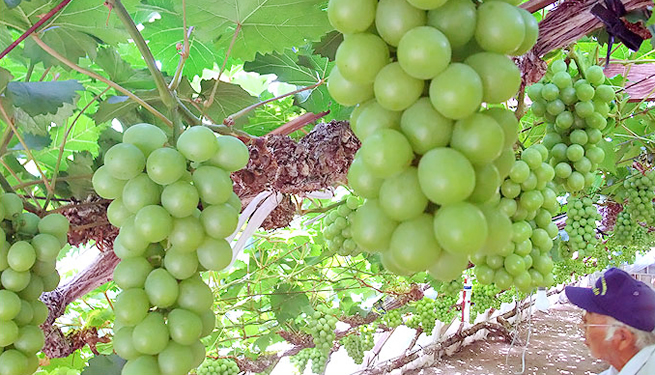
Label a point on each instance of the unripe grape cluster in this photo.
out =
(527, 198)
(392, 318)
(29, 246)
(581, 225)
(338, 232)
(623, 228)
(426, 311)
(301, 359)
(321, 325)
(641, 191)
(353, 345)
(430, 158)
(175, 207)
(221, 366)
(575, 110)
(483, 297)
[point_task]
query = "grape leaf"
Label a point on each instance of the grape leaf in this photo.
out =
(12, 3)
(286, 67)
(80, 188)
(119, 105)
(105, 365)
(33, 142)
(229, 98)
(327, 46)
(319, 100)
(39, 124)
(288, 301)
(42, 97)
(265, 25)
(165, 34)
(83, 137)
(609, 163)
(5, 77)
(72, 44)
(121, 72)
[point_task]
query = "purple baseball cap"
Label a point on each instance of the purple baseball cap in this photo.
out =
(619, 295)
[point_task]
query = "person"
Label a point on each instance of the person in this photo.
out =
(618, 322)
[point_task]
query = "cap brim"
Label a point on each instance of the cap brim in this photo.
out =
(583, 298)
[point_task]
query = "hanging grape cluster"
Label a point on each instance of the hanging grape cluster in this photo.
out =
(641, 191)
(392, 318)
(321, 326)
(430, 159)
(221, 366)
(301, 359)
(354, 348)
(525, 262)
(29, 246)
(581, 225)
(483, 297)
(165, 240)
(575, 109)
(426, 311)
(337, 224)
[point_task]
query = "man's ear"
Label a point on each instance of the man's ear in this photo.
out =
(625, 338)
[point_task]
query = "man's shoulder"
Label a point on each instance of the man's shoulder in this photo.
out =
(645, 362)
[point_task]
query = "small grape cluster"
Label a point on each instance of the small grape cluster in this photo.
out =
(581, 225)
(575, 110)
(301, 359)
(353, 345)
(337, 230)
(641, 191)
(321, 326)
(451, 288)
(221, 366)
(367, 333)
(392, 318)
(444, 309)
(29, 246)
(482, 298)
(165, 240)
(426, 311)
(623, 228)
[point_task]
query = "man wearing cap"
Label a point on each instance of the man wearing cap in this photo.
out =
(619, 322)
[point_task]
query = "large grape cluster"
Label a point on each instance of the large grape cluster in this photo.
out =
(581, 221)
(531, 204)
(221, 366)
(426, 311)
(575, 110)
(337, 224)
(430, 158)
(641, 191)
(321, 326)
(29, 246)
(175, 207)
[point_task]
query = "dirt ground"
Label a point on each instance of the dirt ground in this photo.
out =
(556, 347)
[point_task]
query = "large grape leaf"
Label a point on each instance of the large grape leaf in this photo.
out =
(286, 67)
(288, 301)
(104, 365)
(266, 25)
(80, 188)
(83, 137)
(42, 97)
(72, 44)
(117, 106)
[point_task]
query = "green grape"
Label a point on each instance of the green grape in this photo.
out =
(124, 161)
(165, 165)
(423, 52)
(457, 91)
(350, 17)
(394, 18)
(361, 56)
(197, 143)
(500, 27)
(146, 137)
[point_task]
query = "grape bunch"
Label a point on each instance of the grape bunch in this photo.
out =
(321, 326)
(581, 225)
(530, 203)
(575, 109)
(353, 345)
(444, 310)
(301, 359)
(426, 311)
(338, 233)
(367, 333)
(451, 288)
(623, 228)
(221, 366)
(641, 191)
(483, 297)
(392, 318)
(175, 207)
(29, 246)
(430, 158)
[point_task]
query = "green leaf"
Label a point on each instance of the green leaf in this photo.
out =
(119, 105)
(39, 124)
(609, 163)
(83, 137)
(33, 142)
(104, 365)
(229, 98)
(72, 44)
(121, 72)
(288, 301)
(42, 97)
(265, 25)
(319, 100)
(164, 37)
(285, 66)
(5, 77)
(327, 46)
(81, 165)
(12, 3)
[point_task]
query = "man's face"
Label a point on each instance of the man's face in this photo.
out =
(594, 327)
